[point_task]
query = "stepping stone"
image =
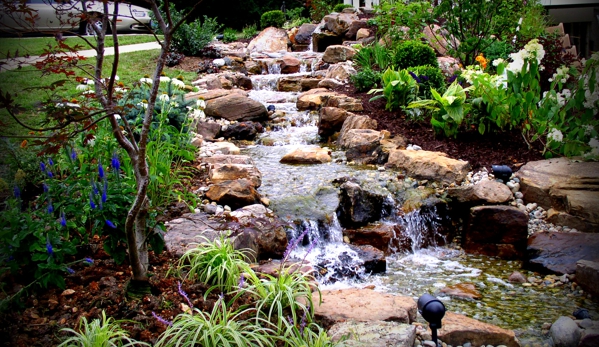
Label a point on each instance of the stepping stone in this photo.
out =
(374, 334)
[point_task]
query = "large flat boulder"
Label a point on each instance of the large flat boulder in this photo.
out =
(338, 53)
(313, 99)
(307, 155)
(587, 276)
(551, 252)
(331, 120)
(567, 186)
(270, 40)
(185, 232)
(235, 107)
(235, 193)
(373, 334)
(362, 305)
(496, 230)
(354, 122)
(486, 191)
(226, 172)
(339, 23)
(427, 165)
(458, 329)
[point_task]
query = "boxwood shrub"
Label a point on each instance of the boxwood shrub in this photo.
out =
(413, 53)
(274, 18)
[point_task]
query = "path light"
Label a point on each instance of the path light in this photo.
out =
(503, 172)
(432, 310)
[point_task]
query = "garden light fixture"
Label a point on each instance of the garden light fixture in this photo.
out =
(503, 172)
(432, 310)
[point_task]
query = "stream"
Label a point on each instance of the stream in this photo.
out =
(523, 309)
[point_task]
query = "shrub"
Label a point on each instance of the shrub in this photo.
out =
(191, 38)
(399, 88)
(295, 18)
(497, 49)
(366, 79)
(274, 18)
(249, 31)
(106, 332)
(340, 7)
(320, 8)
(428, 77)
(229, 35)
(413, 53)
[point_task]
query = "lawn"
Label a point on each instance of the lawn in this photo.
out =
(36, 45)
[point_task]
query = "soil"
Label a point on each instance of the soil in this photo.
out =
(37, 318)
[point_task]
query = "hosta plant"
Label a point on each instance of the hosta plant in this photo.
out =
(399, 89)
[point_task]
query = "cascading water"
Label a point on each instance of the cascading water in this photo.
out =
(426, 268)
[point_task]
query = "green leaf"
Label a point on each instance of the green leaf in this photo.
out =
(481, 128)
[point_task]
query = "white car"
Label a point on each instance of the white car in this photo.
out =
(47, 16)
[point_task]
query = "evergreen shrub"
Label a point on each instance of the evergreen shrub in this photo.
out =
(413, 53)
(274, 18)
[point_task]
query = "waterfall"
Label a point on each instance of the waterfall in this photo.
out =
(274, 69)
(419, 229)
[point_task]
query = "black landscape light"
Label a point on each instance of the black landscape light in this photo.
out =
(503, 172)
(432, 310)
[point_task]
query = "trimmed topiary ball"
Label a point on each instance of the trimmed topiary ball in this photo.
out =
(413, 53)
(274, 18)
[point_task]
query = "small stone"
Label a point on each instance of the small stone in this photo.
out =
(546, 326)
(68, 292)
(428, 343)
(467, 344)
(531, 206)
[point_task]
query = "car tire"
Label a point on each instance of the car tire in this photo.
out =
(86, 27)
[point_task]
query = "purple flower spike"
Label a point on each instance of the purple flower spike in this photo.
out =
(88, 260)
(110, 224)
(50, 162)
(94, 188)
(49, 248)
(100, 170)
(63, 220)
(116, 164)
(73, 154)
(452, 78)
(161, 320)
(71, 271)
(241, 281)
(91, 201)
(50, 207)
(17, 192)
(49, 173)
(415, 77)
(45, 186)
(43, 167)
(183, 294)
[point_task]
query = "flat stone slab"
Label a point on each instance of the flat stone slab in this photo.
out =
(362, 305)
(587, 276)
(558, 253)
(457, 329)
(187, 231)
(373, 334)
(427, 165)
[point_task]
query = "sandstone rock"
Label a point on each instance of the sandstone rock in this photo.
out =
(235, 107)
(363, 146)
(329, 83)
(242, 131)
(289, 84)
(214, 94)
(354, 122)
(373, 334)
(360, 206)
(228, 172)
(208, 130)
(304, 33)
(428, 165)
(449, 65)
(362, 34)
(331, 120)
(253, 67)
(517, 277)
(229, 159)
(187, 231)
(562, 218)
(486, 191)
(345, 102)
(303, 155)
(339, 23)
(362, 305)
(270, 40)
(354, 29)
(266, 242)
(567, 186)
(309, 83)
(236, 193)
(565, 332)
(500, 231)
(377, 235)
(462, 291)
(321, 40)
(338, 53)
(457, 330)
(290, 64)
(340, 71)
(222, 148)
(558, 252)
(587, 276)
(313, 99)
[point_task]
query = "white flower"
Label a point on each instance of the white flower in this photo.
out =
(146, 80)
(163, 97)
(116, 77)
(498, 61)
(117, 116)
(120, 90)
(174, 104)
(88, 92)
(555, 135)
(588, 129)
(535, 49)
(200, 103)
(67, 105)
(82, 87)
(178, 83)
(143, 104)
(594, 143)
(89, 82)
(164, 79)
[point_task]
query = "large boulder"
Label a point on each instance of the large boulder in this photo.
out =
(439, 39)
(587, 276)
(270, 40)
(359, 206)
(485, 191)
(363, 146)
(290, 64)
(345, 102)
(340, 71)
(235, 193)
(354, 29)
(313, 99)
(457, 329)
(374, 234)
(552, 252)
(331, 120)
(338, 53)
(208, 130)
(242, 131)
(307, 155)
(499, 231)
(362, 305)
(290, 84)
(565, 332)
(354, 122)
(567, 186)
(220, 172)
(339, 23)
(428, 165)
(320, 206)
(304, 34)
(373, 334)
(449, 65)
(185, 232)
(235, 107)
(322, 39)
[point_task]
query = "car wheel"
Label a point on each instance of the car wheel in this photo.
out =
(87, 27)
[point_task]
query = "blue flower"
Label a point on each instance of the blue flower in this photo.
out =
(88, 260)
(73, 154)
(91, 201)
(45, 187)
(100, 170)
(49, 173)
(241, 281)
(110, 224)
(63, 220)
(116, 164)
(42, 166)
(50, 162)
(16, 191)
(49, 248)
(452, 78)
(50, 207)
(71, 271)
(415, 77)
(424, 77)
(104, 192)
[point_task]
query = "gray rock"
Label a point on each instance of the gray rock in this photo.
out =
(360, 206)
(565, 332)
(587, 276)
(186, 231)
(557, 252)
(373, 334)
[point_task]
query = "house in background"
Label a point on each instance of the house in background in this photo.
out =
(581, 22)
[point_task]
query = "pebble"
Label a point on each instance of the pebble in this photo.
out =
(518, 195)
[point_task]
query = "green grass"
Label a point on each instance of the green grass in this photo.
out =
(36, 45)
(22, 83)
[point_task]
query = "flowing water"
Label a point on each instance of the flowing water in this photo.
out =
(423, 270)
